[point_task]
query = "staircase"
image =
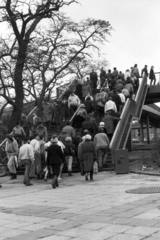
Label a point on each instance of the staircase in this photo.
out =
(132, 108)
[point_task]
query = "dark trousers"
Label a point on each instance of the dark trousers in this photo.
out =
(72, 110)
(27, 163)
(56, 169)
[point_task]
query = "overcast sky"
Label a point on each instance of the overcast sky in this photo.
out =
(136, 35)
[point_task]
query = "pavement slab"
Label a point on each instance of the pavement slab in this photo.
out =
(80, 210)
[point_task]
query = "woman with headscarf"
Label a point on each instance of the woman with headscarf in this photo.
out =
(86, 154)
(55, 158)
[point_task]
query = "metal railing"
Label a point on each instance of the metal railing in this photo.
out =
(75, 113)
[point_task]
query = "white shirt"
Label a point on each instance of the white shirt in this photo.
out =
(35, 145)
(26, 152)
(122, 97)
(110, 105)
(127, 74)
(73, 100)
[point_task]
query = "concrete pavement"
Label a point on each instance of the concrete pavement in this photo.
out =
(80, 210)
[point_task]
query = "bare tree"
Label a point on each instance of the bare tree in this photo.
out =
(22, 17)
(55, 51)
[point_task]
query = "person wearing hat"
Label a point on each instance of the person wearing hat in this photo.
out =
(102, 126)
(11, 151)
(26, 158)
(69, 153)
(55, 158)
(86, 154)
(101, 143)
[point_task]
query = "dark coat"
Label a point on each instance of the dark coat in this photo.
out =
(89, 126)
(78, 91)
(69, 146)
(93, 77)
(77, 121)
(151, 74)
(89, 106)
(87, 154)
(55, 155)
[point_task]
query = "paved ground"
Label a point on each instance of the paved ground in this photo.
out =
(80, 210)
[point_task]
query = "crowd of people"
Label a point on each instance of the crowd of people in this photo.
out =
(94, 113)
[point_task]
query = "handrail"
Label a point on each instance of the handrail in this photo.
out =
(26, 117)
(131, 107)
(75, 113)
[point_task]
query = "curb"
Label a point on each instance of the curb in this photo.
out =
(145, 173)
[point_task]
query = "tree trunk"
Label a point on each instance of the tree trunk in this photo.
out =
(19, 93)
(39, 104)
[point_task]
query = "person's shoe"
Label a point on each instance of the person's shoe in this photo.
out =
(29, 184)
(0, 185)
(70, 174)
(86, 177)
(54, 182)
(38, 177)
(57, 184)
(13, 176)
(45, 179)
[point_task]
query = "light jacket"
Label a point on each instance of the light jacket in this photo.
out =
(101, 141)
(73, 100)
(26, 152)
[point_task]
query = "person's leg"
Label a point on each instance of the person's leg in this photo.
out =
(100, 153)
(11, 167)
(60, 172)
(57, 172)
(27, 171)
(38, 165)
(91, 175)
(55, 175)
(32, 173)
(70, 160)
(105, 156)
(71, 110)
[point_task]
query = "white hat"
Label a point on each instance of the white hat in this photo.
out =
(84, 138)
(68, 139)
(101, 124)
(88, 137)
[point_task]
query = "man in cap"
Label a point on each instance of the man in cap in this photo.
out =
(55, 158)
